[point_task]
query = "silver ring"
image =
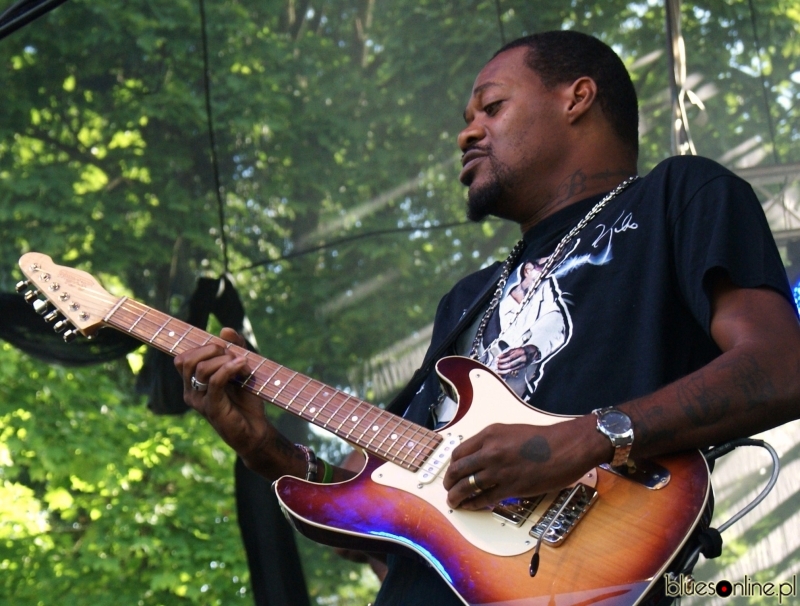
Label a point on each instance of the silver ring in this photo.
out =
(198, 386)
(476, 490)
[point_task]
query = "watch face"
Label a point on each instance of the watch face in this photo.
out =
(616, 422)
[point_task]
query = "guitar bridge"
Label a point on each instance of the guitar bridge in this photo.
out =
(515, 511)
(561, 526)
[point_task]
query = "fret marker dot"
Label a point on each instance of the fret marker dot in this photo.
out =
(394, 436)
(410, 444)
(171, 333)
(277, 382)
(325, 393)
(312, 409)
(354, 418)
(375, 428)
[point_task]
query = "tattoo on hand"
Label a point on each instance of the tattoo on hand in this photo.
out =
(536, 449)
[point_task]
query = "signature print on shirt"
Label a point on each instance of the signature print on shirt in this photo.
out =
(520, 340)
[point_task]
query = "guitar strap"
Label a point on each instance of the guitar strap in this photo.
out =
(401, 401)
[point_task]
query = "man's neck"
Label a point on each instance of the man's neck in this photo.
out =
(577, 186)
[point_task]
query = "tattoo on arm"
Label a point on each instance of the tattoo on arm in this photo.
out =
(647, 423)
(705, 404)
(536, 449)
(285, 447)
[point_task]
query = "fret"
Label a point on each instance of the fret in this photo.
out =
(338, 408)
(114, 309)
(265, 383)
(285, 385)
(413, 442)
(378, 426)
(158, 332)
(313, 409)
(255, 370)
(299, 391)
(139, 319)
(311, 399)
(355, 419)
(182, 337)
(371, 425)
(401, 444)
(392, 434)
(207, 341)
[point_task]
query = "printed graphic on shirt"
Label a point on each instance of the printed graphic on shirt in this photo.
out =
(528, 329)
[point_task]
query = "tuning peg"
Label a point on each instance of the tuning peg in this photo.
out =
(22, 285)
(61, 326)
(41, 307)
(30, 296)
(70, 335)
(52, 316)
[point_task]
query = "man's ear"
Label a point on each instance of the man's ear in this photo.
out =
(581, 96)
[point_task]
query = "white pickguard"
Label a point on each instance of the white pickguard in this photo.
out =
(491, 402)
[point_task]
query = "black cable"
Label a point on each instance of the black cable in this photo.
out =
(23, 12)
(500, 22)
(369, 234)
(764, 83)
(211, 136)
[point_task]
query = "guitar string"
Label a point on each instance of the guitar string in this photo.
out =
(95, 302)
(397, 448)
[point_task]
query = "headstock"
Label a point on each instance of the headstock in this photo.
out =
(72, 299)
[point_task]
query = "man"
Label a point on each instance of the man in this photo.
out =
(680, 313)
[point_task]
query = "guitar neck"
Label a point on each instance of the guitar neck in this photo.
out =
(380, 433)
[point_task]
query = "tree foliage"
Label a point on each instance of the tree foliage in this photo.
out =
(334, 119)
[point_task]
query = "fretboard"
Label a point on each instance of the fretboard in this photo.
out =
(381, 433)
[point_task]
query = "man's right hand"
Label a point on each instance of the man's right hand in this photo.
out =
(237, 415)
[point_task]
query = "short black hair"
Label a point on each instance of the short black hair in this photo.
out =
(561, 57)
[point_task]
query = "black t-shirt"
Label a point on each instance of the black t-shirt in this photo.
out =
(627, 309)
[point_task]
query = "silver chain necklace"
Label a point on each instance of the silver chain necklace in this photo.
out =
(511, 260)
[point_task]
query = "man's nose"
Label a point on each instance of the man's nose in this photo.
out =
(471, 134)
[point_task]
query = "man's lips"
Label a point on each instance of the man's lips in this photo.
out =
(469, 160)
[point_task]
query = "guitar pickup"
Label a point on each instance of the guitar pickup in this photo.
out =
(565, 522)
(439, 459)
(515, 511)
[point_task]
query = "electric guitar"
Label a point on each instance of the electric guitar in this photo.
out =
(605, 540)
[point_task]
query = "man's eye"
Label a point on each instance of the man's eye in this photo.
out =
(492, 108)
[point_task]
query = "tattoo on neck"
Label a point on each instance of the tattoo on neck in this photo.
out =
(573, 185)
(536, 449)
(608, 174)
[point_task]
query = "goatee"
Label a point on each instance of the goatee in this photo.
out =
(482, 202)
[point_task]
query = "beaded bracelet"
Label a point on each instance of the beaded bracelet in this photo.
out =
(311, 462)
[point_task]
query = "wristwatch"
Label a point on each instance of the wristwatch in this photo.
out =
(618, 427)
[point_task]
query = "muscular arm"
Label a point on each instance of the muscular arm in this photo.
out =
(753, 386)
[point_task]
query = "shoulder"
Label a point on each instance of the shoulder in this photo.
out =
(682, 179)
(694, 170)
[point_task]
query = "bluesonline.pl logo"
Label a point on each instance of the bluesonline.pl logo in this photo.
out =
(685, 585)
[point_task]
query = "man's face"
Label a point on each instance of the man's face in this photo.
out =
(511, 139)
